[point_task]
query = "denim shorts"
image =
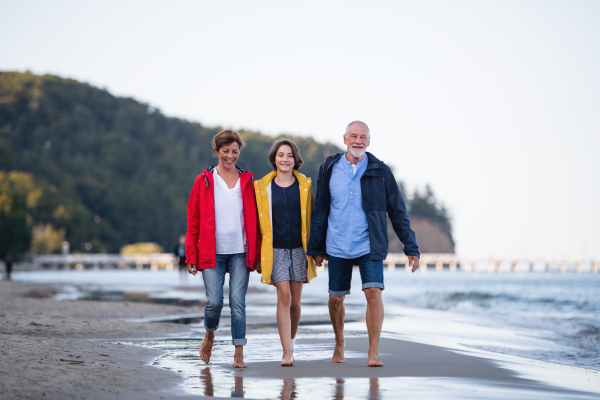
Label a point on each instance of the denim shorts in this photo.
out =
(340, 273)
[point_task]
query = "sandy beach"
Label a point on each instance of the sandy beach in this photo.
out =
(83, 349)
(58, 349)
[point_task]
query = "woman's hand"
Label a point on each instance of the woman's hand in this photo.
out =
(192, 269)
(257, 266)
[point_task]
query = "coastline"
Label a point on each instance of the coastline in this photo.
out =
(66, 349)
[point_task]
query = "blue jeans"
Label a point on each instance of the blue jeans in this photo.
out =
(340, 273)
(214, 279)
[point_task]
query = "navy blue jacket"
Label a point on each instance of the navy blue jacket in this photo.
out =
(380, 194)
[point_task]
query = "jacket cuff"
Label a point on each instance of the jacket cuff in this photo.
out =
(413, 253)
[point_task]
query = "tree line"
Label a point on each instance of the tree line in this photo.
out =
(78, 164)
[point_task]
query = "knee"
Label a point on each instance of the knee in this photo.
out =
(295, 305)
(214, 304)
(373, 295)
(285, 300)
(336, 302)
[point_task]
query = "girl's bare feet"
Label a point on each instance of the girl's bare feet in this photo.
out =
(287, 360)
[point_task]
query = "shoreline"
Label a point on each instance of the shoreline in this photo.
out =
(71, 349)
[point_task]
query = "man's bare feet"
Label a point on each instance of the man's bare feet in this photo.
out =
(206, 347)
(374, 360)
(238, 357)
(338, 353)
(287, 360)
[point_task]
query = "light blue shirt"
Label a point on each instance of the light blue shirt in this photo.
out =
(347, 228)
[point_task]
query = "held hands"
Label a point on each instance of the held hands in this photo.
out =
(319, 260)
(413, 261)
(258, 266)
(192, 269)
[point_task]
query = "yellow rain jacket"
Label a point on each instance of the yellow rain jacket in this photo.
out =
(262, 189)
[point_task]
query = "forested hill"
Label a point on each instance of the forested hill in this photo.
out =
(108, 170)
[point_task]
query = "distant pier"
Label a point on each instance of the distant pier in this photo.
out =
(429, 263)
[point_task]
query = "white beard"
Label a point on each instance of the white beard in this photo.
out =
(357, 153)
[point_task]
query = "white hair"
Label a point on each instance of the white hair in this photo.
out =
(358, 122)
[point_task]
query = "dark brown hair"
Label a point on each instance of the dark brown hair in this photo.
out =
(224, 138)
(295, 152)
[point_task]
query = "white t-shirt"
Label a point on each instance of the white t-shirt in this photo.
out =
(229, 218)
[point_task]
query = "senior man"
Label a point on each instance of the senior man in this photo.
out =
(349, 227)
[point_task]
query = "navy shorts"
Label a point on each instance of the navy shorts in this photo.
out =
(340, 273)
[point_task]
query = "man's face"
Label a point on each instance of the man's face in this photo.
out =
(357, 140)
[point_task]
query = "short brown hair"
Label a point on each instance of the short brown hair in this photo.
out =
(295, 152)
(224, 138)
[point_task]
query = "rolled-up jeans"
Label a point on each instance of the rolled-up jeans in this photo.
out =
(214, 279)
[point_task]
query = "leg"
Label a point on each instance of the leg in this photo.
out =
(295, 307)
(206, 347)
(283, 321)
(371, 273)
(340, 277)
(238, 357)
(239, 275)
(374, 324)
(337, 312)
(214, 279)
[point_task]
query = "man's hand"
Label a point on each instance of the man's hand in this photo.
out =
(413, 261)
(192, 269)
(258, 266)
(318, 260)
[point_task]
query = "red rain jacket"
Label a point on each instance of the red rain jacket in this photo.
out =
(200, 243)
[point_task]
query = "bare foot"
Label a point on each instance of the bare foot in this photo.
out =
(338, 353)
(238, 357)
(287, 360)
(206, 347)
(374, 360)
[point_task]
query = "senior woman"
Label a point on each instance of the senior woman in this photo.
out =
(222, 236)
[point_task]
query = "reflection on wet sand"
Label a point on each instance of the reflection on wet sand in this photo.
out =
(373, 389)
(288, 389)
(206, 379)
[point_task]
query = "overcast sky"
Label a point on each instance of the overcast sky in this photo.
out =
(495, 104)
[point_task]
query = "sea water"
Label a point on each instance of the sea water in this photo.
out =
(554, 318)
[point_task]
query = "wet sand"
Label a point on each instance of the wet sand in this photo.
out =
(92, 350)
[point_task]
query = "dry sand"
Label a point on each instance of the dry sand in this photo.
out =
(46, 351)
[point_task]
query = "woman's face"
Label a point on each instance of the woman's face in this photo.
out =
(284, 159)
(228, 155)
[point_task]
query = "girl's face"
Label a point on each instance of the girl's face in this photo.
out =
(228, 155)
(284, 159)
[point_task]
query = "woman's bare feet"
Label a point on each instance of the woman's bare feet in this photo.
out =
(338, 353)
(206, 347)
(238, 357)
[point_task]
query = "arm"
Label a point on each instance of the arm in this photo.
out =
(193, 227)
(399, 217)
(318, 227)
(311, 204)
